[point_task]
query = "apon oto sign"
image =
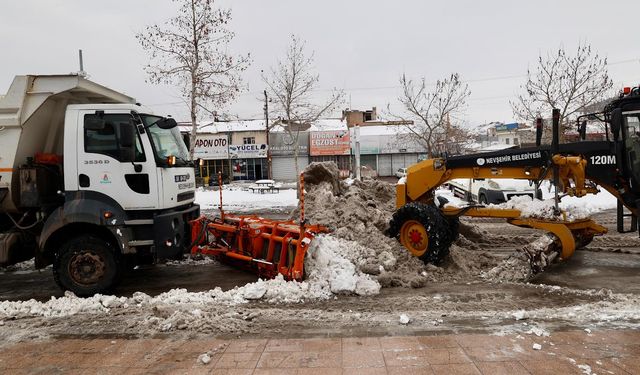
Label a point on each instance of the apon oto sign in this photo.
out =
(211, 146)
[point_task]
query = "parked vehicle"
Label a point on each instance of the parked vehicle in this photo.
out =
(90, 182)
(490, 191)
(401, 172)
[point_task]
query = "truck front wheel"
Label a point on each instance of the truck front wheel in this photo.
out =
(86, 265)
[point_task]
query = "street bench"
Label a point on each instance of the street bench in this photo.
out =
(265, 186)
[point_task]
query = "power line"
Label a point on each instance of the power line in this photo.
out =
(377, 88)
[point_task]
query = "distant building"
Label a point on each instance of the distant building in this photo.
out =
(243, 149)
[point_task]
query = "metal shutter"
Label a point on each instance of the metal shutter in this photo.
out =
(384, 165)
(284, 168)
(397, 162)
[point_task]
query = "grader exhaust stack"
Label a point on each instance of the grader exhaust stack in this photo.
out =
(268, 247)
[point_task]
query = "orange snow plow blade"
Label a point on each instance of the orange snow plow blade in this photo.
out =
(269, 247)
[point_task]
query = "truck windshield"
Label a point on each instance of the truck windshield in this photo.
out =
(166, 142)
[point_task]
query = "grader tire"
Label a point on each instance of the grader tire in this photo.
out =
(453, 226)
(423, 230)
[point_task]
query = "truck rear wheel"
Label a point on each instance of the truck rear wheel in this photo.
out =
(86, 265)
(423, 230)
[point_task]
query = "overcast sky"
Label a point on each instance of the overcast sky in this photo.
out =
(361, 46)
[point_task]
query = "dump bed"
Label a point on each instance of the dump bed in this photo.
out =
(32, 120)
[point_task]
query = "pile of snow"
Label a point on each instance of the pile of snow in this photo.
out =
(21, 267)
(525, 263)
(329, 272)
(359, 213)
(573, 207)
(67, 305)
(239, 199)
(453, 200)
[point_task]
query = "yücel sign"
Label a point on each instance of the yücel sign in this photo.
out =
(248, 151)
(211, 146)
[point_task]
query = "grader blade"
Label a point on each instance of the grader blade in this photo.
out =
(562, 240)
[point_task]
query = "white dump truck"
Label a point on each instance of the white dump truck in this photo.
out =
(90, 181)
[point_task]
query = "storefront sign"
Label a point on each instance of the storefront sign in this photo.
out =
(211, 146)
(250, 151)
(284, 143)
(507, 127)
(332, 142)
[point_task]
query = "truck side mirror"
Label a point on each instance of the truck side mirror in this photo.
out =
(127, 141)
(167, 123)
(616, 123)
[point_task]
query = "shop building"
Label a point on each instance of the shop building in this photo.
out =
(238, 149)
(282, 146)
(241, 150)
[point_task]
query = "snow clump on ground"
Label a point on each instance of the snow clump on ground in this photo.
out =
(329, 272)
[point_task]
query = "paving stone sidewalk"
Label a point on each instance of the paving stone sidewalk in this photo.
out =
(570, 352)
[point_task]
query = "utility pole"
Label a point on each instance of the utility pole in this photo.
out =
(266, 121)
(356, 136)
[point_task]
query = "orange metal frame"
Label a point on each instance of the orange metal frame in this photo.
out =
(270, 247)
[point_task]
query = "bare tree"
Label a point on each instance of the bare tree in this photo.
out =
(291, 84)
(433, 111)
(190, 50)
(569, 82)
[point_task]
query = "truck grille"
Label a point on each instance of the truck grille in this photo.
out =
(186, 196)
(530, 195)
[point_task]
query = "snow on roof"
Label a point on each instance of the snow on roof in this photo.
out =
(383, 130)
(325, 124)
(225, 126)
(252, 125)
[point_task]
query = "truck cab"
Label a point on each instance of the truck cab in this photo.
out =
(90, 181)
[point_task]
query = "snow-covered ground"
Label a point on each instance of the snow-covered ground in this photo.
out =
(329, 273)
(238, 198)
(333, 270)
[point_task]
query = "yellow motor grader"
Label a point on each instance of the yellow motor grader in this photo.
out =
(427, 225)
